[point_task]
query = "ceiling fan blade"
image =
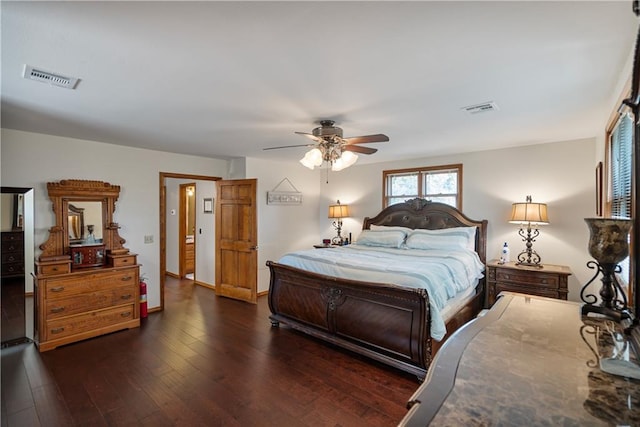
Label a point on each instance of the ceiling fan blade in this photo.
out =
(288, 146)
(358, 149)
(310, 136)
(366, 139)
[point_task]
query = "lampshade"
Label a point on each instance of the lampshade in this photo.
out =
(344, 161)
(528, 212)
(338, 211)
(312, 158)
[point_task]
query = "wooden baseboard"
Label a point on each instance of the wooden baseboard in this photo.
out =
(205, 285)
(263, 293)
(170, 274)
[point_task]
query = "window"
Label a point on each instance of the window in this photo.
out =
(436, 183)
(619, 144)
(620, 141)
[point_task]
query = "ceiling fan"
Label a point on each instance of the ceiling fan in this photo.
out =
(331, 147)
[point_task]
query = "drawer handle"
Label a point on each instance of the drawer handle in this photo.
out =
(54, 269)
(127, 314)
(126, 296)
(506, 276)
(126, 278)
(57, 309)
(58, 289)
(543, 281)
(57, 330)
(12, 258)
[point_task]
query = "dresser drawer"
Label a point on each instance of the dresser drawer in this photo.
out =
(14, 268)
(67, 286)
(16, 247)
(530, 290)
(122, 260)
(64, 327)
(82, 303)
(527, 277)
(11, 236)
(53, 269)
(8, 257)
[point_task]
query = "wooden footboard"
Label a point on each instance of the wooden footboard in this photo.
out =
(384, 322)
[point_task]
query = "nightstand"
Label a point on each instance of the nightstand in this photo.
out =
(548, 281)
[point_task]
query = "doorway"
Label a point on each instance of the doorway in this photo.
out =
(203, 232)
(16, 225)
(187, 231)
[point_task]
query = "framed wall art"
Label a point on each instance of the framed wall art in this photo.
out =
(208, 205)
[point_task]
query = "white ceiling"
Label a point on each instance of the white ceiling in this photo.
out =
(227, 79)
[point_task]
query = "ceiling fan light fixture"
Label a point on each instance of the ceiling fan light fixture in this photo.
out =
(344, 161)
(312, 158)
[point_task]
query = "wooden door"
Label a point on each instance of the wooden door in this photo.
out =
(237, 240)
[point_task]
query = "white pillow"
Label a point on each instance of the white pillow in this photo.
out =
(446, 238)
(389, 239)
(405, 230)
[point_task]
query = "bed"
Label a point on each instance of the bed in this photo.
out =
(389, 322)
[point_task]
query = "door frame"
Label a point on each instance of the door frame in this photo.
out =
(163, 219)
(28, 253)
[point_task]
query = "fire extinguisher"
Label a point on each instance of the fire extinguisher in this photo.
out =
(143, 299)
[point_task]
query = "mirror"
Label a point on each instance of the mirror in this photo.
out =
(75, 224)
(84, 215)
(84, 222)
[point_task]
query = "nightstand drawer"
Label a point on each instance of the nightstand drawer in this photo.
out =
(527, 277)
(546, 281)
(529, 290)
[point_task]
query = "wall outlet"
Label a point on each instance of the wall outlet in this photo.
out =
(148, 239)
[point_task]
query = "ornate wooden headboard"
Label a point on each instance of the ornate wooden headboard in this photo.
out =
(423, 214)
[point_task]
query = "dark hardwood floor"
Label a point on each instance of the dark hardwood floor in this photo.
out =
(204, 360)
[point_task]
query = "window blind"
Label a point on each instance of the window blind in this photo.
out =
(621, 144)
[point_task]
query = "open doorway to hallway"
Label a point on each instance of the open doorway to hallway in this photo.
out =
(182, 239)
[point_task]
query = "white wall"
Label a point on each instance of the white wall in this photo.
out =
(283, 228)
(560, 174)
(205, 234)
(32, 160)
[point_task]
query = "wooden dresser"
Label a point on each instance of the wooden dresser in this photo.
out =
(531, 361)
(84, 303)
(12, 253)
(546, 281)
(84, 288)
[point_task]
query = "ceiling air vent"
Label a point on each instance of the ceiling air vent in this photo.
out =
(39, 75)
(485, 107)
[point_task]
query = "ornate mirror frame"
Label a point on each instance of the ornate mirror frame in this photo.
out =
(66, 192)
